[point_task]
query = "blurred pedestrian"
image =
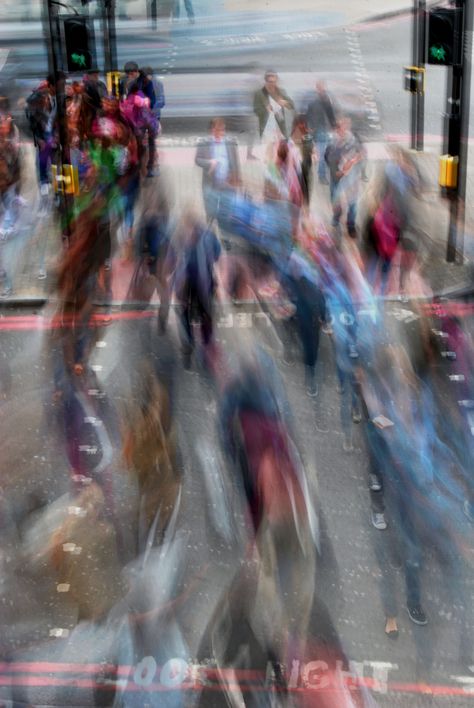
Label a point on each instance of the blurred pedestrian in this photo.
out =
(41, 113)
(343, 157)
(194, 281)
(218, 157)
(156, 261)
(301, 284)
(188, 6)
(10, 173)
(321, 116)
(95, 89)
(150, 452)
(272, 106)
(283, 175)
(302, 139)
(155, 130)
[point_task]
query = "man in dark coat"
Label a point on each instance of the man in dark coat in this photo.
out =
(321, 119)
(272, 99)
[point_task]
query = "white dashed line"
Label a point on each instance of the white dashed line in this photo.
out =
(362, 78)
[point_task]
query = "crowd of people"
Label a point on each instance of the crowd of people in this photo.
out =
(313, 276)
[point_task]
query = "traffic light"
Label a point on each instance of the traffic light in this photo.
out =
(444, 46)
(79, 44)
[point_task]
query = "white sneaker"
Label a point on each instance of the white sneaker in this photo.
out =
(21, 201)
(5, 234)
(44, 189)
(378, 520)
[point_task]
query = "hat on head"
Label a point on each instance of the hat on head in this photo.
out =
(93, 70)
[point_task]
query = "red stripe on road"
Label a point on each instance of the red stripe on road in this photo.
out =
(204, 673)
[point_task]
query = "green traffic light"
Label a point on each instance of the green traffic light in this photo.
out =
(438, 53)
(79, 59)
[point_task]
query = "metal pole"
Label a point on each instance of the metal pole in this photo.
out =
(465, 113)
(418, 60)
(112, 34)
(55, 60)
(109, 35)
(457, 132)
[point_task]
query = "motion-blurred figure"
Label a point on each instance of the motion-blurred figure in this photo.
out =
(41, 113)
(139, 99)
(302, 139)
(283, 176)
(150, 452)
(343, 157)
(271, 105)
(321, 118)
(10, 173)
(392, 232)
(194, 281)
(188, 6)
(305, 292)
(218, 157)
(275, 602)
(155, 130)
(156, 262)
(95, 89)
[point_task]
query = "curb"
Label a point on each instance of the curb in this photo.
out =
(23, 303)
(461, 292)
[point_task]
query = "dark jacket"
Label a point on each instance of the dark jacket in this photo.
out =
(204, 157)
(321, 113)
(261, 103)
(39, 108)
(195, 271)
(96, 91)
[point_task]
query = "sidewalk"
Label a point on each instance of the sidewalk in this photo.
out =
(37, 244)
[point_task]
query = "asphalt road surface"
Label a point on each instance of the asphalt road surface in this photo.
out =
(38, 624)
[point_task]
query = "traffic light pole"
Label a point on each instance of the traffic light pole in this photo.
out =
(418, 59)
(457, 132)
(55, 65)
(109, 35)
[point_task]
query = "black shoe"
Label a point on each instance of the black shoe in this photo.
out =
(352, 231)
(416, 614)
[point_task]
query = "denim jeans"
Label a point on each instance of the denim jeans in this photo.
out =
(8, 200)
(187, 6)
(321, 140)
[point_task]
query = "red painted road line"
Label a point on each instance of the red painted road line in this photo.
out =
(38, 322)
(203, 671)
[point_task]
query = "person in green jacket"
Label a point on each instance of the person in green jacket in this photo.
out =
(271, 104)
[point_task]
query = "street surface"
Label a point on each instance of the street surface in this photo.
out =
(52, 656)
